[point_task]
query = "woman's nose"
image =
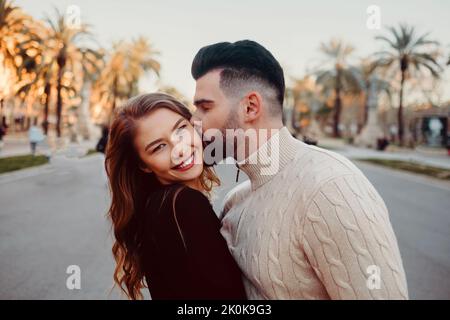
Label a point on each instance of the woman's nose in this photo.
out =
(181, 152)
(181, 148)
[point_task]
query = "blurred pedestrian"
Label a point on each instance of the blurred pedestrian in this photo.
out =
(101, 144)
(448, 143)
(2, 134)
(35, 135)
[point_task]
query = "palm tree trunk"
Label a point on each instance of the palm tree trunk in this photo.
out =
(114, 94)
(294, 113)
(337, 114)
(294, 119)
(403, 67)
(84, 122)
(59, 103)
(2, 117)
(47, 91)
(61, 61)
(363, 123)
(337, 105)
(400, 110)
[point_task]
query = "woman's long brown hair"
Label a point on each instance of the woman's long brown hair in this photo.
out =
(130, 186)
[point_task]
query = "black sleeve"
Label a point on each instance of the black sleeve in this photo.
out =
(215, 273)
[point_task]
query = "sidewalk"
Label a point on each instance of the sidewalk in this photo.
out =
(17, 144)
(419, 155)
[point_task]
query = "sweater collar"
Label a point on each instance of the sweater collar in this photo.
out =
(270, 158)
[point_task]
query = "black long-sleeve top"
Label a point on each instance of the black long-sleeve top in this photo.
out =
(184, 255)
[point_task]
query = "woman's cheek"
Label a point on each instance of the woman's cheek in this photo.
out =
(196, 139)
(163, 160)
(187, 138)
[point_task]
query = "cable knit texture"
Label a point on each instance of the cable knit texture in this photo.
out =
(309, 225)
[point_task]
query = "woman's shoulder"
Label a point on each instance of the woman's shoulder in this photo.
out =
(187, 209)
(177, 196)
(186, 195)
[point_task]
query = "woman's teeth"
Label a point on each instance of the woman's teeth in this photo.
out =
(186, 163)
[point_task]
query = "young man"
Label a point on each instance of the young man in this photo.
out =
(308, 224)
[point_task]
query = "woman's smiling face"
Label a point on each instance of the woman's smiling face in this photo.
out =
(169, 147)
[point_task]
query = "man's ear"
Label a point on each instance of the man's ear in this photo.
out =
(253, 106)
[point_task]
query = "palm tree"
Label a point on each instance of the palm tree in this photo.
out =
(112, 83)
(305, 99)
(174, 92)
(42, 78)
(339, 77)
(141, 60)
(39, 69)
(43, 67)
(12, 22)
(407, 51)
(92, 66)
(64, 38)
(126, 64)
(373, 84)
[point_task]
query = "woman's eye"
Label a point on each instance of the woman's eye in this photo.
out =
(159, 147)
(184, 126)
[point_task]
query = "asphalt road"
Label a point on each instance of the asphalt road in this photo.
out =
(54, 216)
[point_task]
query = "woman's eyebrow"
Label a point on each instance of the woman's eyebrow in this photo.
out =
(158, 140)
(177, 123)
(152, 143)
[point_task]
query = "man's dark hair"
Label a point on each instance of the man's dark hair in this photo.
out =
(241, 61)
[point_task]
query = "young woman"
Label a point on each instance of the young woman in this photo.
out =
(166, 231)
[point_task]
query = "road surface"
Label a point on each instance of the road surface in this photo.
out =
(54, 216)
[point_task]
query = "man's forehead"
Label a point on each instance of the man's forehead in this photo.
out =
(208, 83)
(212, 76)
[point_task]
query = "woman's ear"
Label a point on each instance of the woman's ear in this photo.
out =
(145, 169)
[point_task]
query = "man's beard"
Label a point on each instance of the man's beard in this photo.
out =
(228, 142)
(232, 123)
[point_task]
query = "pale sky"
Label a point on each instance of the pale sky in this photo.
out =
(291, 29)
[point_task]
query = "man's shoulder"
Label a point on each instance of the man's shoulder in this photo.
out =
(235, 196)
(317, 165)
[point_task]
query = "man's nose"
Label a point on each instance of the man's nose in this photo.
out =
(197, 124)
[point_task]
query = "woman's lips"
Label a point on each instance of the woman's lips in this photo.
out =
(186, 164)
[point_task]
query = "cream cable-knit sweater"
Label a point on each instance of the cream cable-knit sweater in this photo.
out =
(313, 229)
